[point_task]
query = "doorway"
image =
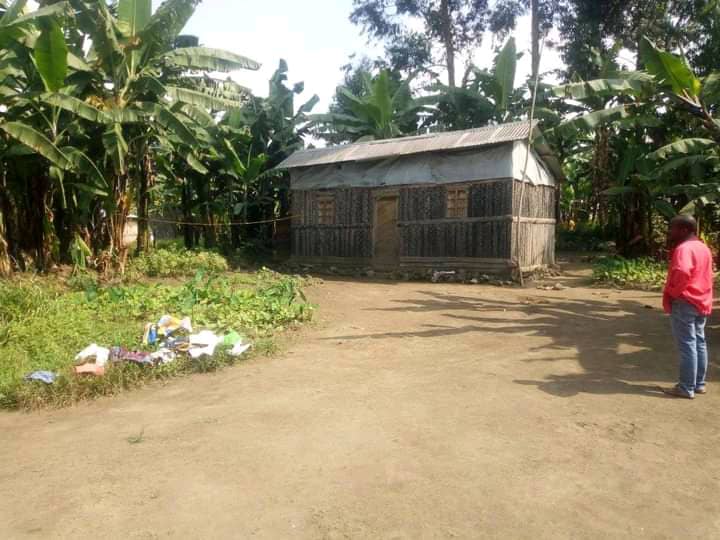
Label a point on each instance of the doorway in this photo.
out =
(387, 237)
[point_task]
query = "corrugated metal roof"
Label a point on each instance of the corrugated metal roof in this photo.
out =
(433, 142)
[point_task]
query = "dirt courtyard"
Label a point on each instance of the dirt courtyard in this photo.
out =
(408, 410)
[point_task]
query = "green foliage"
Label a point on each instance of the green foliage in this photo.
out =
(584, 237)
(384, 109)
(485, 96)
(43, 324)
(51, 56)
(670, 70)
(79, 253)
(176, 262)
(643, 273)
(504, 71)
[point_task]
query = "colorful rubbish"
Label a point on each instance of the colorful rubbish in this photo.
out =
(100, 354)
(239, 349)
(203, 344)
(90, 369)
(206, 337)
(48, 377)
(180, 344)
(171, 336)
(120, 354)
(163, 356)
(150, 336)
(168, 325)
(231, 339)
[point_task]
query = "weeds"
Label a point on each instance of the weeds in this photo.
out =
(175, 261)
(646, 274)
(44, 322)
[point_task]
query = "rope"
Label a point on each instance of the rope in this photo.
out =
(231, 224)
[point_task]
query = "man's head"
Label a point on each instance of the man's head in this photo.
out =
(681, 228)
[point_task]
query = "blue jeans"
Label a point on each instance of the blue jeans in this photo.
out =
(688, 327)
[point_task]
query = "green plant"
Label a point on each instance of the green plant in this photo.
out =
(176, 262)
(644, 273)
(584, 237)
(79, 252)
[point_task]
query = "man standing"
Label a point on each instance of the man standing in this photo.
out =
(688, 298)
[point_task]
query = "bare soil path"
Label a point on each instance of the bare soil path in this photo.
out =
(409, 410)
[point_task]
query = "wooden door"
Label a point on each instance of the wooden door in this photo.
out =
(387, 237)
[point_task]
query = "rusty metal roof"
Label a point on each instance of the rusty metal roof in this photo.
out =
(433, 142)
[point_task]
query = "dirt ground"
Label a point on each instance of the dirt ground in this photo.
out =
(409, 410)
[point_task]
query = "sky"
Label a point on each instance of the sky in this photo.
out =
(315, 37)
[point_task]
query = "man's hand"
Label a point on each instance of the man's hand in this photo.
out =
(667, 303)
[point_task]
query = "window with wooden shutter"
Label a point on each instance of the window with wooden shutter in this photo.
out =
(326, 211)
(457, 203)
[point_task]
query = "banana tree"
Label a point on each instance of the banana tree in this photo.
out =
(484, 97)
(385, 109)
(670, 112)
(143, 82)
(41, 116)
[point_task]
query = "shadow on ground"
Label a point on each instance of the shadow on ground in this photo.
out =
(620, 344)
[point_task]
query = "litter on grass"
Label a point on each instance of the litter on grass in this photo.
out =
(239, 349)
(48, 377)
(99, 354)
(171, 336)
(90, 369)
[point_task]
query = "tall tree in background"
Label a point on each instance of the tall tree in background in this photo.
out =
(456, 26)
(543, 13)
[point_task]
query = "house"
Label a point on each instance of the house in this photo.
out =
(437, 201)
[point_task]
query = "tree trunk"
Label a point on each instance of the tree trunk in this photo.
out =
(5, 263)
(535, 9)
(448, 40)
(632, 240)
(143, 204)
(64, 232)
(600, 174)
(188, 233)
(38, 220)
(118, 220)
(209, 229)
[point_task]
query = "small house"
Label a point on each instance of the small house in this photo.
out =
(438, 201)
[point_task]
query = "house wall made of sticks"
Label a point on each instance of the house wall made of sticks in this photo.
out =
(337, 224)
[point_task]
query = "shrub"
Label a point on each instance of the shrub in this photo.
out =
(645, 273)
(584, 237)
(176, 262)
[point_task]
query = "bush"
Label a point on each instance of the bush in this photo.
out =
(645, 273)
(176, 262)
(44, 323)
(584, 237)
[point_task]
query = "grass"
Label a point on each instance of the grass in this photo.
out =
(45, 321)
(644, 273)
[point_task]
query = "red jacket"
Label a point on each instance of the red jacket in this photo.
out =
(690, 276)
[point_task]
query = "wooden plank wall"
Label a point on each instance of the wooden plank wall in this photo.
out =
(350, 236)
